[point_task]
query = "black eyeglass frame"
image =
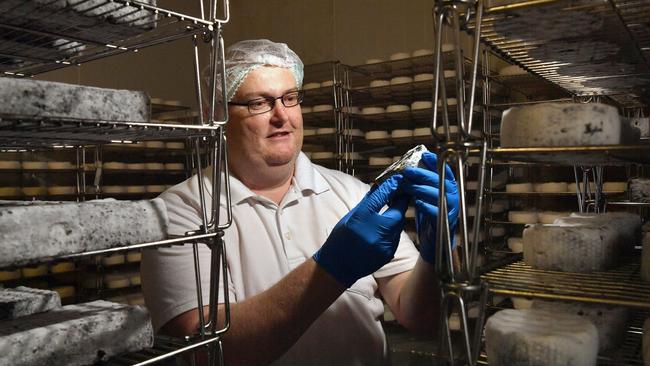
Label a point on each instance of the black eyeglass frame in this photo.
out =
(271, 101)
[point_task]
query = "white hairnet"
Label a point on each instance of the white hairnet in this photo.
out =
(245, 56)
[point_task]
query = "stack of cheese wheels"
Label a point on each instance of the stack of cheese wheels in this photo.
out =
(561, 124)
(610, 321)
(551, 187)
(540, 337)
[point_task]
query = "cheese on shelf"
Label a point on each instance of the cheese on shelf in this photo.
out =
(34, 165)
(114, 165)
(60, 165)
(376, 135)
(396, 134)
(135, 189)
(319, 155)
(40, 270)
(305, 110)
(422, 131)
(379, 83)
(401, 80)
(22, 301)
(573, 187)
(539, 337)
(157, 188)
(373, 61)
(354, 132)
(309, 86)
(34, 191)
(62, 267)
(65, 292)
(395, 108)
(379, 160)
(154, 166)
(174, 145)
(561, 124)
(523, 217)
(10, 275)
(113, 189)
(423, 77)
(372, 110)
(116, 280)
(512, 70)
(174, 166)
(519, 187)
(327, 83)
(133, 257)
(515, 244)
(61, 190)
(309, 132)
(399, 56)
(154, 144)
(422, 52)
(549, 217)
(322, 108)
(521, 303)
(550, 187)
(325, 131)
(421, 104)
(113, 260)
(8, 164)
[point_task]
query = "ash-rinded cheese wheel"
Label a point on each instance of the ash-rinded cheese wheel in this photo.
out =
(538, 337)
(22, 301)
(570, 248)
(640, 189)
(519, 187)
(549, 217)
(626, 224)
(515, 244)
(550, 187)
(322, 155)
(523, 217)
(610, 321)
(561, 124)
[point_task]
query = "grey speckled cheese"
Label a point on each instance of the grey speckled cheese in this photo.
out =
(31, 233)
(562, 124)
(569, 248)
(534, 337)
(21, 301)
(75, 334)
(38, 98)
(627, 225)
(611, 321)
(640, 189)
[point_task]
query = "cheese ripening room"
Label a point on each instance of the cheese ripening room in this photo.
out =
(205, 182)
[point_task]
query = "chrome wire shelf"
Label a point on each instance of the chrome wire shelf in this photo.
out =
(583, 46)
(572, 155)
(621, 286)
(27, 132)
(40, 36)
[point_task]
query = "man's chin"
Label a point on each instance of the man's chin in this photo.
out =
(280, 159)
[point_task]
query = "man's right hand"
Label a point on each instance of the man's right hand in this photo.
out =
(364, 240)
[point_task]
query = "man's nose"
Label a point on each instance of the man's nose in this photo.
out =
(279, 112)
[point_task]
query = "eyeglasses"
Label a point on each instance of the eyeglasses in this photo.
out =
(265, 104)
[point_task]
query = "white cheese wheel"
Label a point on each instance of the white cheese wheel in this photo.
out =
(322, 108)
(422, 52)
(572, 187)
(9, 275)
(113, 189)
(379, 83)
(154, 166)
(372, 110)
(373, 61)
(379, 160)
(40, 270)
(453, 130)
(355, 132)
(401, 80)
(423, 77)
(539, 337)
(34, 191)
(65, 292)
(62, 267)
(610, 321)
(614, 186)
(569, 248)
(154, 144)
(154, 188)
(551, 187)
(351, 109)
(421, 104)
(516, 244)
(136, 189)
(353, 156)
(61, 190)
(375, 135)
(305, 110)
(396, 134)
(322, 155)
(114, 165)
(512, 70)
(113, 260)
(325, 131)
(449, 74)
(34, 165)
(174, 166)
(561, 124)
(549, 217)
(450, 102)
(422, 131)
(309, 86)
(116, 280)
(521, 303)
(394, 108)
(327, 83)
(523, 217)
(10, 165)
(134, 256)
(399, 56)
(446, 47)
(10, 191)
(60, 165)
(134, 279)
(309, 132)
(519, 187)
(175, 145)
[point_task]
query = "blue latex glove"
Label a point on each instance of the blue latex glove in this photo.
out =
(423, 185)
(364, 240)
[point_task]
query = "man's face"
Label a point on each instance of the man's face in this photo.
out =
(273, 137)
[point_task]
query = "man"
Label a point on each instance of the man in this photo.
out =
(309, 252)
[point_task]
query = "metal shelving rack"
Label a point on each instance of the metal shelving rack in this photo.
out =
(32, 44)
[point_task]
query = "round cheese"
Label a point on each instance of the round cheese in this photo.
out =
(373, 61)
(54, 191)
(453, 130)
(423, 77)
(113, 189)
(134, 256)
(62, 267)
(10, 191)
(422, 52)
(379, 83)
(372, 110)
(523, 217)
(40, 270)
(561, 124)
(9, 275)
(34, 191)
(309, 86)
(399, 56)
(351, 109)
(422, 131)
(353, 156)
(10, 165)
(157, 188)
(539, 337)
(446, 47)
(175, 145)
(379, 160)
(572, 187)
(327, 83)
(521, 303)
(449, 74)
(154, 144)
(116, 280)
(65, 292)
(549, 217)
(114, 165)
(135, 189)
(401, 80)
(325, 131)
(395, 108)
(322, 108)
(154, 166)
(450, 102)
(34, 165)
(174, 166)
(512, 70)
(519, 187)
(113, 260)
(322, 155)
(60, 165)
(551, 187)
(516, 244)
(134, 278)
(309, 132)
(305, 110)
(355, 132)
(614, 186)
(421, 104)
(375, 135)
(396, 134)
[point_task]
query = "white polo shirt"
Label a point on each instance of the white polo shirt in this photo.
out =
(265, 242)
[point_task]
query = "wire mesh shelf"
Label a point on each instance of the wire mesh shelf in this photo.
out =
(580, 155)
